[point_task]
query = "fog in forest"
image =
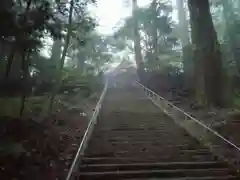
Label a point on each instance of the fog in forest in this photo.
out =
(63, 62)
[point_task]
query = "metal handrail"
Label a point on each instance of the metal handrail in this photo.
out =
(86, 137)
(194, 119)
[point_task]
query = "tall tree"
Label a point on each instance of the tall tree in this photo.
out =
(207, 54)
(183, 23)
(155, 24)
(63, 56)
(155, 29)
(137, 40)
(27, 22)
(184, 37)
(231, 36)
(24, 26)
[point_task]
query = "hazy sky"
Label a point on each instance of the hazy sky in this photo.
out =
(110, 13)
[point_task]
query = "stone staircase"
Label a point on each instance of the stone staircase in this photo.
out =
(135, 140)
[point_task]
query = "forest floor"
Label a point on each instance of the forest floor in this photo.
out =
(33, 148)
(225, 121)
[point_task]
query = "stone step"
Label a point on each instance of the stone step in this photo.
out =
(173, 173)
(151, 166)
(110, 159)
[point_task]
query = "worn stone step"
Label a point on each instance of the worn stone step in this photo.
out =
(143, 137)
(150, 150)
(147, 133)
(139, 140)
(152, 166)
(153, 146)
(152, 134)
(229, 177)
(134, 128)
(164, 132)
(142, 158)
(178, 173)
(135, 140)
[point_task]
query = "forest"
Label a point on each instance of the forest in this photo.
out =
(185, 50)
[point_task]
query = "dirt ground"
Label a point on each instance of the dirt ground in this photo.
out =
(226, 121)
(32, 149)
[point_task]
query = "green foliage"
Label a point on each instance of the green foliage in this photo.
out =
(152, 18)
(226, 17)
(24, 24)
(11, 107)
(26, 21)
(94, 54)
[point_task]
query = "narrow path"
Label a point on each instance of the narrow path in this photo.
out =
(135, 140)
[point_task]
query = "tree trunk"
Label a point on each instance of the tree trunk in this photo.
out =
(25, 79)
(137, 40)
(62, 60)
(230, 36)
(81, 62)
(184, 37)
(9, 63)
(55, 57)
(155, 32)
(25, 61)
(198, 64)
(2, 60)
(209, 77)
(56, 51)
(183, 23)
(2, 50)
(238, 5)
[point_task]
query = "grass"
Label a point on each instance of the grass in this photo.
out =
(236, 102)
(10, 106)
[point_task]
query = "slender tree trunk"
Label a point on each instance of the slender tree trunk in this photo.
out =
(25, 79)
(9, 62)
(183, 23)
(62, 60)
(137, 40)
(229, 36)
(184, 37)
(198, 64)
(56, 51)
(14, 48)
(55, 57)
(238, 5)
(2, 60)
(80, 62)
(231, 48)
(155, 32)
(209, 77)
(2, 48)
(25, 62)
